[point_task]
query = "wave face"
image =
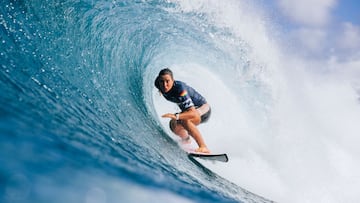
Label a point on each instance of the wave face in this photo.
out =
(80, 117)
(77, 116)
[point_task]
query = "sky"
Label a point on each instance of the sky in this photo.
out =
(322, 28)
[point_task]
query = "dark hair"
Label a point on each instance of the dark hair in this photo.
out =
(165, 71)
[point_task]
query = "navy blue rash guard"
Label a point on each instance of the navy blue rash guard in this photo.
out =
(185, 96)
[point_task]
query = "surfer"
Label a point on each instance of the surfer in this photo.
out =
(194, 108)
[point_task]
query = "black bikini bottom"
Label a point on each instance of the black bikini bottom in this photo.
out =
(205, 117)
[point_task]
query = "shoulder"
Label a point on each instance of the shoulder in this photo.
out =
(181, 88)
(180, 85)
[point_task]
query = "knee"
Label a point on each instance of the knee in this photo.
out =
(188, 123)
(172, 125)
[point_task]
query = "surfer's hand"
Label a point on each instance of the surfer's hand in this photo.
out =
(169, 115)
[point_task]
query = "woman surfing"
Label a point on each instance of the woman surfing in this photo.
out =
(194, 108)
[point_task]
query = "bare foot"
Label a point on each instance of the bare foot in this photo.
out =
(203, 150)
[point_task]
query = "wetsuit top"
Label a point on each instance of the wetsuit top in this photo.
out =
(185, 96)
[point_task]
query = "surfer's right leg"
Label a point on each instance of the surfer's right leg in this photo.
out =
(179, 130)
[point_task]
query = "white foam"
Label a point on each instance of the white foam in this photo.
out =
(300, 144)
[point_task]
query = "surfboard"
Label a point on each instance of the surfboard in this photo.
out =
(189, 148)
(213, 157)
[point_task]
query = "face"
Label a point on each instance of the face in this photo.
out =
(166, 83)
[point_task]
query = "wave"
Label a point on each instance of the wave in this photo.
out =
(77, 108)
(80, 116)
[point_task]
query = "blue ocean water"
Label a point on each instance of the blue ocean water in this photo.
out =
(76, 119)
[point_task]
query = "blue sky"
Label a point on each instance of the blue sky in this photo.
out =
(324, 28)
(348, 10)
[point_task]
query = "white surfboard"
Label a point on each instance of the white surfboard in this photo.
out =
(190, 150)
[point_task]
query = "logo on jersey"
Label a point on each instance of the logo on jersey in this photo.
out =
(183, 93)
(187, 104)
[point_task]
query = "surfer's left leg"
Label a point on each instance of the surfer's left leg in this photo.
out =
(195, 133)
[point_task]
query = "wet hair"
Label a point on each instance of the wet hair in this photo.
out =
(165, 71)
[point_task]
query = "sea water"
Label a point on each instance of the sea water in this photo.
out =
(80, 117)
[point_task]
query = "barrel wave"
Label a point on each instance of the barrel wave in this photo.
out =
(78, 122)
(80, 117)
